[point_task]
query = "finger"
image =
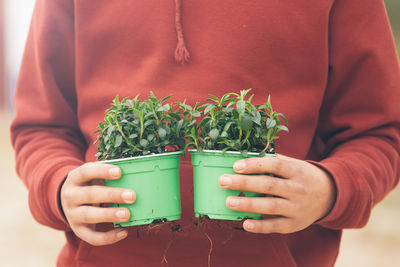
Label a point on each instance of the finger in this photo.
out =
(258, 183)
(279, 225)
(280, 165)
(102, 194)
(263, 205)
(94, 215)
(101, 238)
(93, 170)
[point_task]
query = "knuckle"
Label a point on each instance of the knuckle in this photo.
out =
(277, 164)
(247, 204)
(91, 194)
(87, 165)
(103, 239)
(80, 171)
(299, 189)
(240, 183)
(114, 195)
(85, 216)
(84, 169)
(67, 194)
(286, 227)
(298, 169)
(271, 227)
(273, 206)
(72, 173)
(95, 239)
(279, 226)
(268, 185)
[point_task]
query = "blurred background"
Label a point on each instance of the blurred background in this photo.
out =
(24, 242)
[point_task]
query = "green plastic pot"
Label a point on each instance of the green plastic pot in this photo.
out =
(155, 179)
(209, 197)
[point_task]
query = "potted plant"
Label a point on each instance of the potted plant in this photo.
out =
(232, 129)
(144, 139)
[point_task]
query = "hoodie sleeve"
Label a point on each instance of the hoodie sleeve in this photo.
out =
(360, 117)
(45, 132)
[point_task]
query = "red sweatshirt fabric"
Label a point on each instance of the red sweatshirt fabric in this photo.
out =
(330, 67)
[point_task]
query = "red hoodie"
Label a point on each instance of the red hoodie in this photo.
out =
(330, 66)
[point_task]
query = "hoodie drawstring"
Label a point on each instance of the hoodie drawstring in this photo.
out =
(182, 55)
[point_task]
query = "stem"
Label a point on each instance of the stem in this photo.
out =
(267, 146)
(126, 139)
(155, 115)
(247, 137)
(240, 130)
(141, 127)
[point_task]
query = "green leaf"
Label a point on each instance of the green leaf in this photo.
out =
(144, 143)
(226, 127)
(118, 140)
(150, 137)
(246, 123)
(162, 133)
(283, 128)
(196, 114)
(179, 126)
(164, 108)
(214, 133)
(165, 98)
(148, 122)
(240, 105)
(208, 108)
(110, 130)
(270, 123)
(257, 118)
(283, 117)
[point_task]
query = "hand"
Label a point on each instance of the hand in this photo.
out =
(298, 193)
(81, 196)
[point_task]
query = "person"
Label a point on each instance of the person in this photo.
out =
(330, 67)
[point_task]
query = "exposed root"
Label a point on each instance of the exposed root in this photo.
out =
(156, 225)
(164, 257)
(211, 249)
(228, 239)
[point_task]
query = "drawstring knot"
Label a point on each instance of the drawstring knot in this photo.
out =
(182, 55)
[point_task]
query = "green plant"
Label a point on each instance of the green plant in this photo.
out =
(233, 123)
(133, 128)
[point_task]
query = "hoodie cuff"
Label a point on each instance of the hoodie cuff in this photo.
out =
(344, 211)
(54, 194)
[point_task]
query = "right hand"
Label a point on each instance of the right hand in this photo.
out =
(81, 196)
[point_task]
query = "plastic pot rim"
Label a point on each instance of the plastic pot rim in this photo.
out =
(228, 152)
(143, 157)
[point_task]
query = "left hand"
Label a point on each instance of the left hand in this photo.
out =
(301, 194)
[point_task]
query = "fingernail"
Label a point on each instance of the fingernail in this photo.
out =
(239, 166)
(114, 172)
(233, 202)
(127, 196)
(225, 181)
(249, 225)
(122, 234)
(121, 214)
